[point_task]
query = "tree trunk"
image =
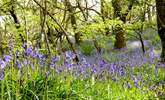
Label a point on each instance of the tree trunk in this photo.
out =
(160, 6)
(120, 33)
(120, 39)
(73, 21)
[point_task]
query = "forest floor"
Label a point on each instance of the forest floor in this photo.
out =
(131, 48)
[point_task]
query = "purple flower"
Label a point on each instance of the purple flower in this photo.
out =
(161, 82)
(68, 55)
(18, 64)
(60, 70)
(135, 80)
(86, 65)
(128, 85)
(53, 66)
(24, 62)
(94, 69)
(162, 65)
(24, 45)
(121, 71)
(7, 58)
(28, 52)
(37, 54)
(112, 67)
(113, 78)
(102, 63)
(2, 64)
(42, 60)
(1, 75)
(54, 59)
(17, 53)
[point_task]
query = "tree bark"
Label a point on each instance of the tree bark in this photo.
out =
(120, 39)
(73, 20)
(120, 33)
(160, 7)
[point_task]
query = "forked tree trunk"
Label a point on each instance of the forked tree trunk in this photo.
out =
(160, 6)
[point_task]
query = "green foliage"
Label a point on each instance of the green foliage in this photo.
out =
(87, 47)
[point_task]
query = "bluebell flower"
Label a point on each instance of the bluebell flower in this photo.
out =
(68, 55)
(112, 67)
(94, 69)
(18, 64)
(161, 82)
(162, 65)
(7, 58)
(128, 85)
(102, 63)
(113, 78)
(2, 64)
(60, 70)
(42, 60)
(31, 51)
(37, 54)
(121, 71)
(73, 65)
(24, 62)
(135, 80)
(28, 52)
(24, 45)
(54, 59)
(53, 66)
(17, 54)
(86, 65)
(1, 75)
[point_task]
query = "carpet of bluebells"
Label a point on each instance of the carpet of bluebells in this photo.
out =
(29, 74)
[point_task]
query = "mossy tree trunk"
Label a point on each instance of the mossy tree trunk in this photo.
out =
(120, 39)
(119, 31)
(160, 6)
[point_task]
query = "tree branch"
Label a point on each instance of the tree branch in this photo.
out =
(61, 27)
